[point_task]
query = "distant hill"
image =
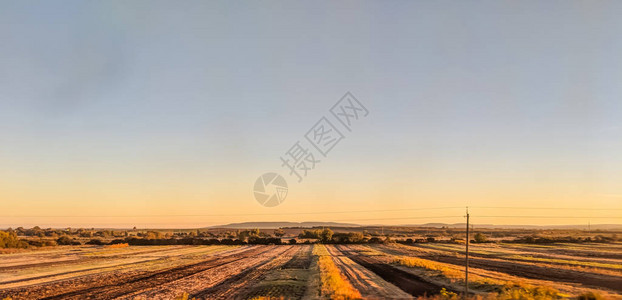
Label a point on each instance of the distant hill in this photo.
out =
(273, 225)
(492, 226)
(270, 225)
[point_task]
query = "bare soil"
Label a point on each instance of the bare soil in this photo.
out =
(410, 283)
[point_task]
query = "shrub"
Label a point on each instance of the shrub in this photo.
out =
(227, 242)
(590, 296)
(97, 242)
(348, 238)
(65, 240)
(326, 235)
(375, 240)
(528, 292)
(279, 232)
(10, 240)
(445, 294)
(264, 241)
(480, 238)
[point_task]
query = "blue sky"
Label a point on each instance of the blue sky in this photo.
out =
(156, 106)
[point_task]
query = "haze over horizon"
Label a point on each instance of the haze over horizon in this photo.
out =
(155, 114)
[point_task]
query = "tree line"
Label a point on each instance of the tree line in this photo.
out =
(52, 237)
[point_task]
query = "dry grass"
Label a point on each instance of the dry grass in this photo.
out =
(503, 289)
(507, 293)
(123, 245)
(567, 262)
(416, 262)
(184, 296)
(333, 283)
(512, 255)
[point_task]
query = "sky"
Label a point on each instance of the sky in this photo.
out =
(164, 114)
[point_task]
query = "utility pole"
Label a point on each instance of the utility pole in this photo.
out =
(466, 270)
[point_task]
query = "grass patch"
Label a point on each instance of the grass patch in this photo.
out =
(416, 262)
(567, 262)
(333, 283)
(500, 289)
(506, 293)
(123, 245)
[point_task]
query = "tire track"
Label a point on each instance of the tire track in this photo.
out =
(368, 283)
(530, 271)
(82, 259)
(128, 284)
(408, 282)
(235, 287)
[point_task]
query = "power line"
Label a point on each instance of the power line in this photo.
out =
(237, 215)
(317, 213)
(552, 217)
(466, 270)
(404, 218)
(547, 208)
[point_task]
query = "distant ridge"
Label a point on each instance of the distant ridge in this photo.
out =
(492, 226)
(270, 225)
(273, 225)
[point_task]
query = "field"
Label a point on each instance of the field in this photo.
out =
(311, 271)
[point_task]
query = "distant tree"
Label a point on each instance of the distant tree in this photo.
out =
(95, 242)
(84, 233)
(305, 234)
(292, 241)
(65, 240)
(348, 237)
(243, 235)
(10, 240)
(375, 240)
(150, 235)
(480, 238)
(327, 235)
(116, 241)
(356, 237)
(279, 232)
